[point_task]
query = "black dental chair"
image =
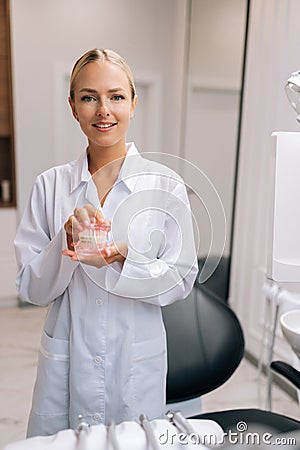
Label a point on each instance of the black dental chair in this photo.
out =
(205, 346)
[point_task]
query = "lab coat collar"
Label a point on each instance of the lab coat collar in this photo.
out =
(128, 173)
(80, 172)
(131, 167)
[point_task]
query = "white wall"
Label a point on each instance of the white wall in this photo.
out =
(47, 38)
(271, 57)
(8, 225)
(214, 85)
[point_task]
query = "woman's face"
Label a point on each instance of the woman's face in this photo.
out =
(103, 105)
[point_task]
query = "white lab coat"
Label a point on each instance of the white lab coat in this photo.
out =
(103, 348)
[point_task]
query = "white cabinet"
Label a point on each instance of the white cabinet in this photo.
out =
(284, 218)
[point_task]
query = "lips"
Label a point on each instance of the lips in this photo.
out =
(104, 126)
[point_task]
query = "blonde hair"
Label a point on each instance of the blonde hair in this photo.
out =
(99, 55)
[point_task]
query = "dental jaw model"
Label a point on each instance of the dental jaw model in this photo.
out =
(91, 240)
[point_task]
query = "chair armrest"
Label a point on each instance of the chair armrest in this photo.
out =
(286, 370)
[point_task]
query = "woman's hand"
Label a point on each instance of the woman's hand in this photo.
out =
(81, 218)
(114, 252)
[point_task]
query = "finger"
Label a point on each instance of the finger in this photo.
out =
(68, 226)
(72, 226)
(96, 216)
(115, 249)
(67, 252)
(76, 226)
(89, 214)
(109, 251)
(92, 260)
(96, 213)
(104, 224)
(70, 253)
(82, 216)
(121, 248)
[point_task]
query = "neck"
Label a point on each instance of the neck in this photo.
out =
(100, 157)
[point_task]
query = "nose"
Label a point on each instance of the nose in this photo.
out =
(102, 109)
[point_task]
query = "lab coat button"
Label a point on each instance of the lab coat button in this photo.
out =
(99, 301)
(97, 417)
(97, 360)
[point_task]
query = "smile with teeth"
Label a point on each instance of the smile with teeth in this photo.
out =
(104, 126)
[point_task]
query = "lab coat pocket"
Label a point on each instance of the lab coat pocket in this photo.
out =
(51, 392)
(150, 371)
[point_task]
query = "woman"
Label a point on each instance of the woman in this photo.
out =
(103, 348)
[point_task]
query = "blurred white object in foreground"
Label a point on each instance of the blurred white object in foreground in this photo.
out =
(127, 435)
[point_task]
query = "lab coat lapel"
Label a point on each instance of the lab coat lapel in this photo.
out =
(91, 194)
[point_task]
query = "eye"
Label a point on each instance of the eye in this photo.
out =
(118, 97)
(88, 98)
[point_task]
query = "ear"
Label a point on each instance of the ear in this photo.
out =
(134, 102)
(71, 103)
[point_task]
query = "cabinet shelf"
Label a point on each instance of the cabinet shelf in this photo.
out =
(7, 160)
(7, 205)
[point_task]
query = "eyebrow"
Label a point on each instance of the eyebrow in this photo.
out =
(94, 91)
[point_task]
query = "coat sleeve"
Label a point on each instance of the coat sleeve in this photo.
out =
(43, 274)
(171, 275)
